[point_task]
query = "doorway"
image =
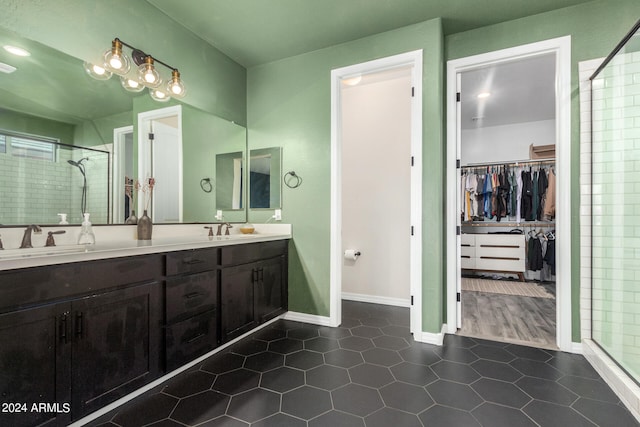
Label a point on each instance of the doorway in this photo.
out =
(160, 158)
(556, 53)
(359, 220)
(122, 174)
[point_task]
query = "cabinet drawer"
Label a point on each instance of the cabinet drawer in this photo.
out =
(468, 239)
(483, 263)
(516, 240)
(192, 261)
(190, 339)
(468, 263)
(243, 254)
(468, 252)
(191, 294)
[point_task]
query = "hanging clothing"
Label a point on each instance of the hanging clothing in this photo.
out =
(513, 199)
(518, 196)
(536, 200)
(526, 211)
(535, 254)
(488, 190)
(542, 189)
(550, 256)
(479, 198)
(549, 211)
(471, 188)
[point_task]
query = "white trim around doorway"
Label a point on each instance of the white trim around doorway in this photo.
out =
(561, 47)
(413, 59)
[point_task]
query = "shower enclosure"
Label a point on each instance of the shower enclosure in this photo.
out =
(615, 200)
(41, 178)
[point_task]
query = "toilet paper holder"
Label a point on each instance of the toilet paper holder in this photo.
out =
(352, 254)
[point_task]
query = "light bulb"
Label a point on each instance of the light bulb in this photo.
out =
(159, 95)
(175, 86)
(97, 72)
(131, 84)
(116, 61)
(148, 75)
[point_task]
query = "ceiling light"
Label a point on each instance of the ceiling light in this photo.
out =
(6, 68)
(144, 74)
(115, 61)
(159, 95)
(482, 95)
(18, 51)
(96, 71)
(132, 85)
(175, 86)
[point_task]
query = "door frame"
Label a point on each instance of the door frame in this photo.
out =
(561, 47)
(413, 59)
(118, 167)
(144, 151)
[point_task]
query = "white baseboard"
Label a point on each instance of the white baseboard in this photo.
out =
(374, 299)
(576, 347)
(430, 337)
(307, 318)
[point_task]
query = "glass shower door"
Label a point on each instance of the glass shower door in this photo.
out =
(616, 205)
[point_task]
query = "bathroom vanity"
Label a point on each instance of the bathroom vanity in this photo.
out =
(78, 334)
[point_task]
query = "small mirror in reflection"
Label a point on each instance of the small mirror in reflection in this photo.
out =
(265, 166)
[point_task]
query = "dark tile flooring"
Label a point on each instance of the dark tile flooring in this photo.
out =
(370, 372)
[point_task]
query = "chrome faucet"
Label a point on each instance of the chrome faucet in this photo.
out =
(26, 239)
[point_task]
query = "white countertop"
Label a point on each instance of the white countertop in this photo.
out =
(116, 241)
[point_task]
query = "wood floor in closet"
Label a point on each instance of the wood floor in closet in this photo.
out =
(509, 318)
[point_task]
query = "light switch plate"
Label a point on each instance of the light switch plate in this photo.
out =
(278, 215)
(219, 215)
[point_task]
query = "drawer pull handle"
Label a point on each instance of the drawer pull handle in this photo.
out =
(192, 295)
(192, 261)
(79, 324)
(500, 246)
(63, 328)
(497, 257)
(465, 256)
(196, 338)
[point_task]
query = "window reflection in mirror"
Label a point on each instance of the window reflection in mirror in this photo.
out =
(265, 169)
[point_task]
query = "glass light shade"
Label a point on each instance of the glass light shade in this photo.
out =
(159, 95)
(175, 87)
(97, 72)
(131, 84)
(115, 60)
(148, 75)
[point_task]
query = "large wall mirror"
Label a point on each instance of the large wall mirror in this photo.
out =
(68, 139)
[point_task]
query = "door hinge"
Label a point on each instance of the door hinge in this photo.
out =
(411, 160)
(151, 136)
(413, 92)
(458, 297)
(458, 97)
(458, 164)
(458, 230)
(411, 299)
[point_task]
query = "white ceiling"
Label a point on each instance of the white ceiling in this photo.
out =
(521, 91)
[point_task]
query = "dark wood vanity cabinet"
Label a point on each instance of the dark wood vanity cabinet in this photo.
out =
(191, 304)
(83, 351)
(253, 286)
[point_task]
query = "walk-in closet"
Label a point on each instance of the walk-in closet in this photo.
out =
(507, 202)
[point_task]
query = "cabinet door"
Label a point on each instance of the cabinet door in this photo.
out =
(116, 345)
(269, 298)
(237, 298)
(35, 366)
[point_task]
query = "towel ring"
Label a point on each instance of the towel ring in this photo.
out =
(205, 184)
(294, 180)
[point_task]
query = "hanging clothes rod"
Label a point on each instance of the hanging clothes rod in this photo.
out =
(511, 163)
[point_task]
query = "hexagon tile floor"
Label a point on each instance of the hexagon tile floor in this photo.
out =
(369, 372)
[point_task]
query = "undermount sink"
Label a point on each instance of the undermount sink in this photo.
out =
(38, 252)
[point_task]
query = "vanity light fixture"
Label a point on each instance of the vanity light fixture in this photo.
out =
(18, 51)
(144, 74)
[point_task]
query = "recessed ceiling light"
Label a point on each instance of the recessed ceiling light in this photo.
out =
(6, 68)
(484, 95)
(18, 51)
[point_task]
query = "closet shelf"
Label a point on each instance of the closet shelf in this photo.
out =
(509, 224)
(509, 163)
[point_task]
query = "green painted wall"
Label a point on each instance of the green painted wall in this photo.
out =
(595, 29)
(289, 106)
(85, 29)
(25, 123)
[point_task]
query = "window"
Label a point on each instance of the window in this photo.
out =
(31, 147)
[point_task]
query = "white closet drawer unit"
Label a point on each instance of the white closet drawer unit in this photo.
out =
(468, 240)
(500, 252)
(467, 251)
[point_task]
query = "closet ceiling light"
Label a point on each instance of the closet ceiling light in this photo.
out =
(18, 51)
(482, 95)
(135, 79)
(6, 68)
